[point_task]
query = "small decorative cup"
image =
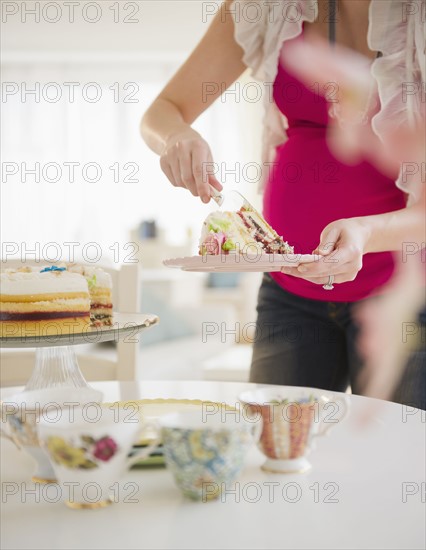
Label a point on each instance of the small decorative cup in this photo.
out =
(292, 418)
(206, 453)
(21, 413)
(89, 452)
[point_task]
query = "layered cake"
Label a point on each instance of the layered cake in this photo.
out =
(100, 289)
(43, 301)
(54, 299)
(244, 231)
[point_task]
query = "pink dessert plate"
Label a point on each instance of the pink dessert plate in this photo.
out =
(232, 263)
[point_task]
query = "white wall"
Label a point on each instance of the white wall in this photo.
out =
(162, 26)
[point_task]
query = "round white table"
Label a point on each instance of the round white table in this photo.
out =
(366, 489)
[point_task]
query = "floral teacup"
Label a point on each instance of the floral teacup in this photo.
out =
(207, 454)
(89, 452)
(21, 413)
(292, 418)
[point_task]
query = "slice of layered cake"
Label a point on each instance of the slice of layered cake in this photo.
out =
(43, 301)
(244, 231)
(100, 289)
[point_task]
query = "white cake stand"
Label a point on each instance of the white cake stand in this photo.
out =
(56, 362)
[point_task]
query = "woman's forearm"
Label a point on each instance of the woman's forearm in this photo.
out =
(162, 120)
(212, 67)
(391, 230)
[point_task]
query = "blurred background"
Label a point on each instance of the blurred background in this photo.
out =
(76, 78)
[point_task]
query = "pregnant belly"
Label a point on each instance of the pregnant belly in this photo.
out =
(308, 188)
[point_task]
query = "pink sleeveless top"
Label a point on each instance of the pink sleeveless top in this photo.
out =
(309, 188)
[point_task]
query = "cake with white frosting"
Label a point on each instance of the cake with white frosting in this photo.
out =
(100, 290)
(43, 301)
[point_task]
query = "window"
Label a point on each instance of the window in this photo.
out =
(74, 166)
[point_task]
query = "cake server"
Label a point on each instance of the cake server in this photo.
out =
(216, 195)
(219, 198)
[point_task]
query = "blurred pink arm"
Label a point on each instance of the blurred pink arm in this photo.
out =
(381, 319)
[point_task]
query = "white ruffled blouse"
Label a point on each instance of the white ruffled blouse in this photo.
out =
(401, 40)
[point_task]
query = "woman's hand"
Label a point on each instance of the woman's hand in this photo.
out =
(342, 245)
(187, 162)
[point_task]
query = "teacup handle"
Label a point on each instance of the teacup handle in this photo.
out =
(325, 426)
(146, 451)
(4, 432)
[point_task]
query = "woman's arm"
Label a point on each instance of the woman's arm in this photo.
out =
(392, 230)
(166, 126)
(344, 242)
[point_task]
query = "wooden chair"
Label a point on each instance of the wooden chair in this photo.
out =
(97, 362)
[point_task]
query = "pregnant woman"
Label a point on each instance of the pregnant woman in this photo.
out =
(353, 216)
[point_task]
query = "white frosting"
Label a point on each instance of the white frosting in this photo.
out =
(16, 282)
(103, 278)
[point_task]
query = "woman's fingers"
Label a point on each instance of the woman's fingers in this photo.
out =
(342, 273)
(175, 169)
(324, 280)
(212, 178)
(200, 166)
(324, 269)
(328, 240)
(169, 162)
(166, 168)
(215, 183)
(185, 168)
(336, 263)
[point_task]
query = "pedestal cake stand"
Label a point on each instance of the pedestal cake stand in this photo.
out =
(56, 361)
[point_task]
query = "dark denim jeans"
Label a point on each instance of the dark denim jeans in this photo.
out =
(303, 342)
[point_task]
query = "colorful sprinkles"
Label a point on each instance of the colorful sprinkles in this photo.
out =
(53, 268)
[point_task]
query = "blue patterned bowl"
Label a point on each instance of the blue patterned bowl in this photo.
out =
(205, 455)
